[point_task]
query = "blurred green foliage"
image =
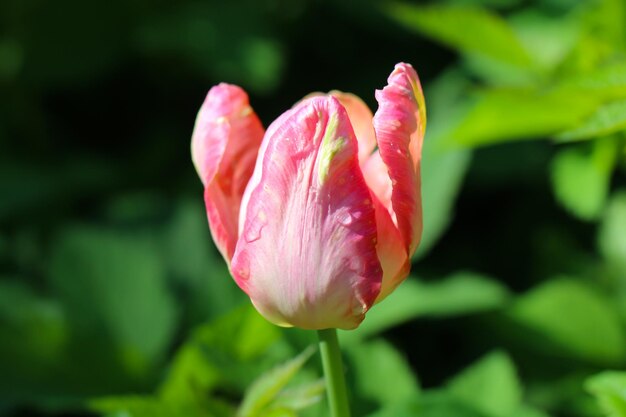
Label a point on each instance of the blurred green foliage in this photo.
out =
(113, 299)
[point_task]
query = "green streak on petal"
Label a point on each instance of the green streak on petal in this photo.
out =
(329, 148)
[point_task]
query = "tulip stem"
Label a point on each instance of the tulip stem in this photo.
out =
(334, 373)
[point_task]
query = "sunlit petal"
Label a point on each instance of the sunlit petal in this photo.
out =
(307, 252)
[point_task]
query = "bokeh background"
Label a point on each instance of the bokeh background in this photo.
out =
(114, 301)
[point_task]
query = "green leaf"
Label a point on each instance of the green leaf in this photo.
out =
(601, 40)
(490, 386)
(527, 411)
(607, 119)
(381, 374)
(496, 73)
(562, 392)
(504, 115)
(33, 327)
(612, 234)
(266, 388)
(574, 319)
(145, 406)
(548, 39)
(198, 268)
(461, 293)
(431, 404)
(605, 20)
(609, 388)
(440, 403)
(225, 353)
(190, 373)
(280, 412)
(607, 82)
(33, 338)
(467, 29)
(300, 397)
(581, 179)
(113, 285)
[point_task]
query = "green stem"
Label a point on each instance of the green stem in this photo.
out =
(333, 371)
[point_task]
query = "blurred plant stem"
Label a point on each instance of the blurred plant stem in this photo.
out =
(333, 373)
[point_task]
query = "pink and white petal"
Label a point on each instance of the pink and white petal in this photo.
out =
(224, 146)
(391, 252)
(307, 253)
(257, 173)
(361, 118)
(399, 124)
(377, 179)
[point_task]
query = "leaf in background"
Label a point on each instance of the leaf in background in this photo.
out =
(32, 326)
(224, 353)
(548, 39)
(575, 319)
(263, 391)
(490, 385)
(114, 291)
(381, 374)
(461, 293)
(605, 21)
(488, 388)
(562, 391)
(612, 233)
(581, 179)
(300, 397)
(497, 73)
(527, 411)
(607, 82)
(467, 29)
(191, 373)
(146, 406)
(33, 337)
(602, 36)
(504, 115)
(607, 119)
(430, 404)
(223, 359)
(609, 388)
(443, 170)
(280, 412)
(198, 268)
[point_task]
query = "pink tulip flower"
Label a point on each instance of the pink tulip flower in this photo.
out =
(319, 215)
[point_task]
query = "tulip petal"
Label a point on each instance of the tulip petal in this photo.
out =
(224, 147)
(361, 118)
(307, 251)
(399, 124)
(391, 251)
(255, 179)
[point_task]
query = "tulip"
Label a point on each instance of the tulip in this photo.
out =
(318, 216)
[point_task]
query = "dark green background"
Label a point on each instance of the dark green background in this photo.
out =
(109, 282)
